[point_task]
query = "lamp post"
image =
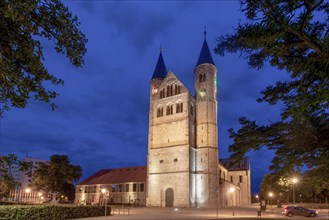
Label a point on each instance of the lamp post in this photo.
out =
(217, 191)
(27, 191)
(270, 195)
(294, 181)
(257, 197)
(104, 191)
(232, 189)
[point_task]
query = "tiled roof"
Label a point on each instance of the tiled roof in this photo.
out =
(242, 165)
(205, 55)
(160, 69)
(119, 175)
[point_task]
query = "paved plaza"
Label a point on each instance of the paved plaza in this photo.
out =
(240, 212)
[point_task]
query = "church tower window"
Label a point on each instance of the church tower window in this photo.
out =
(159, 112)
(162, 93)
(177, 89)
(179, 107)
(169, 110)
(202, 78)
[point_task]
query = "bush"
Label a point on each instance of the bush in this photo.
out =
(47, 212)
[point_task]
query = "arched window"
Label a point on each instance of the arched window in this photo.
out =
(177, 89)
(169, 110)
(200, 78)
(168, 91)
(162, 93)
(159, 111)
(203, 77)
(179, 107)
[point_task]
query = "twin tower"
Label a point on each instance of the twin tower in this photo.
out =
(182, 138)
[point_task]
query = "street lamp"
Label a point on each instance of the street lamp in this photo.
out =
(104, 191)
(294, 181)
(257, 197)
(27, 191)
(270, 195)
(232, 189)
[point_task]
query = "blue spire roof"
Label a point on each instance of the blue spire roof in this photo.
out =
(160, 69)
(205, 55)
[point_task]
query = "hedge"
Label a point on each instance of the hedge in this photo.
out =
(47, 212)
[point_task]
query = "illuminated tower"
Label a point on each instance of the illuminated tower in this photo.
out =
(206, 159)
(171, 137)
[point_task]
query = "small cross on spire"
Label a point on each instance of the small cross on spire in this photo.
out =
(205, 32)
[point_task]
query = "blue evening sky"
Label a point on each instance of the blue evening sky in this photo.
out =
(102, 116)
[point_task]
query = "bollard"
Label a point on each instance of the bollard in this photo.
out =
(259, 214)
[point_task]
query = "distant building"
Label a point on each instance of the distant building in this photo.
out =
(183, 169)
(124, 186)
(21, 177)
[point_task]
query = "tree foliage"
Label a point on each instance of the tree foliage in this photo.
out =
(292, 36)
(7, 163)
(23, 25)
(57, 176)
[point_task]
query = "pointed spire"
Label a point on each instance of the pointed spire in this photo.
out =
(205, 55)
(160, 69)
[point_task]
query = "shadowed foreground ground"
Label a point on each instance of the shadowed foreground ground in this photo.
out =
(243, 212)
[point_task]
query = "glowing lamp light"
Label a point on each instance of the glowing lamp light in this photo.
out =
(270, 194)
(41, 197)
(27, 190)
(103, 190)
(202, 94)
(257, 196)
(294, 180)
(176, 209)
(39, 194)
(232, 189)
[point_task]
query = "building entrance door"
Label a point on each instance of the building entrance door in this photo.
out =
(169, 197)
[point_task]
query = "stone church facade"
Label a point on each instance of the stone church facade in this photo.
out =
(183, 162)
(183, 168)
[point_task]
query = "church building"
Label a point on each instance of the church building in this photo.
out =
(183, 168)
